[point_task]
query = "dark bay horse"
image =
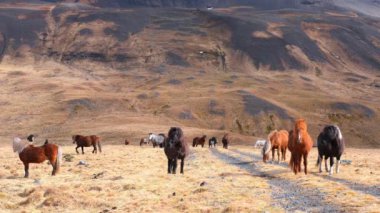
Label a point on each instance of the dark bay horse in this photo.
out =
(87, 141)
(199, 141)
(175, 148)
(330, 144)
(31, 154)
(212, 142)
(299, 146)
(225, 141)
(278, 140)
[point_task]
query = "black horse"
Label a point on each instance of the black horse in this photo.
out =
(330, 145)
(175, 148)
(212, 142)
(225, 141)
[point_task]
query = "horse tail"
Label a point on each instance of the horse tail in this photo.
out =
(318, 161)
(99, 145)
(58, 161)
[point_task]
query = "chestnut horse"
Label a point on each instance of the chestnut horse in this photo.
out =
(330, 145)
(278, 140)
(225, 141)
(299, 146)
(31, 154)
(87, 141)
(199, 141)
(175, 148)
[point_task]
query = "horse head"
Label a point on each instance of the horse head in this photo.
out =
(75, 138)
(299, 127)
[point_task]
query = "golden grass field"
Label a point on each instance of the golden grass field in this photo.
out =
(134, 179)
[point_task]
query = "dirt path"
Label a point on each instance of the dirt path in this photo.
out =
(285, 194)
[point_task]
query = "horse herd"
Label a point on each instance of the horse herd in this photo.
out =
(297, 140)
(330, 144)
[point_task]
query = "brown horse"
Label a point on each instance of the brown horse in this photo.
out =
(87, 141)
(278, 140)
(225, 141)
(144, 141)
(299, 146)
(31, 154)
(175, 148)
(199, 141)
(126, 142)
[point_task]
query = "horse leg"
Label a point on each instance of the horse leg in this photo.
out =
(304, 162)
(272, 155)
(26, 168)
(94, 150)
(82, 150)
(76, 149)
(320, 158)
(174, 165)
(278, 155)
(182, 164)
(284, 154)
(169, 165)
(337, 164)
(331, 165)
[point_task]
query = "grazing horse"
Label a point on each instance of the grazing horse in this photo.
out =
(31, 154)
(299, 146)
(279, 141)
(157, 140)
(265, 150)
(212, 142)
(199, 141)
(330, 145)
(144, 141)
(225, 141)
(175, 148)
(87, 141)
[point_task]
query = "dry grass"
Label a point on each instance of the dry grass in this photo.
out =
(132, 178)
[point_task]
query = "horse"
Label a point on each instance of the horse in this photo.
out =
(212, 142)
(265, 150)
(175, 148)
(87, 141)
(199, 141)
(279, 141)
(126, 142)
(330, 144)
(300, 146)
(144, 141)
(225, 141)
(30, 154)
(157, 140)
(260, 143)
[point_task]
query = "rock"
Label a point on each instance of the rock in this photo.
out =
(37, 181)
(203, 183)
(113, 208)
(82, 162)
(173, 194)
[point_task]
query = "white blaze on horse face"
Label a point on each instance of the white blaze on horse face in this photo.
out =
(299, 138)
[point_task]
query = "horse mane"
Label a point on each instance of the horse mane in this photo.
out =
(19, 145)
(271, 134)
(266, 148)
(301, 124)
(340, 136)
